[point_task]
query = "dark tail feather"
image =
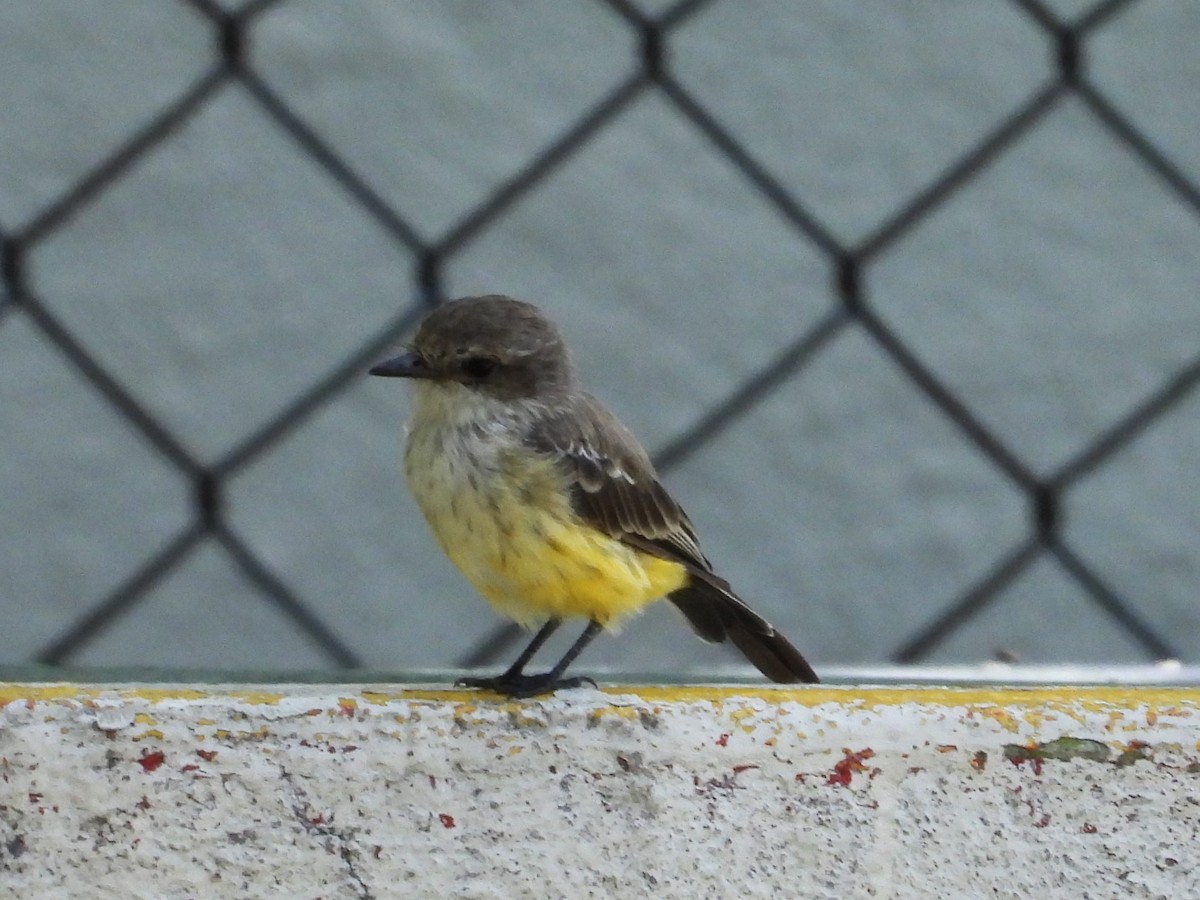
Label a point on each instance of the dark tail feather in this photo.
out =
(715, 613)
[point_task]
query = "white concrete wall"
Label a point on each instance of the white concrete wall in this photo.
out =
(377, 791)
(225, 273)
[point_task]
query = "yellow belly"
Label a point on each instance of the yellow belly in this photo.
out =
(510, 530)
(547, 567)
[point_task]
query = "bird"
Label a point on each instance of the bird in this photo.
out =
(545, 501)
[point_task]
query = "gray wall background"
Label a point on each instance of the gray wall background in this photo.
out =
(206, 239)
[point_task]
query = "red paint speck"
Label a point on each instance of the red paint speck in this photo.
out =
(151, 760)
(1043, 821)
(446, 820)
(1034, 763)
(190, 767)
(347, 708)
(738, 770)
(35, 797)
(207, 755)
(845, 769)
(1088, 828)
(723, 740)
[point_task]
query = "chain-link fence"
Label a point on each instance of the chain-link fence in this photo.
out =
(1063, 38)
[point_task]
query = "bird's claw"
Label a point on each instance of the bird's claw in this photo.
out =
(524, 685)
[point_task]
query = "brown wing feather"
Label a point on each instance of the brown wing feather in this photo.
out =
(614, 486)
(615, 489)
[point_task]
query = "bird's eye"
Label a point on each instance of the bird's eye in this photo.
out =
(478, 366)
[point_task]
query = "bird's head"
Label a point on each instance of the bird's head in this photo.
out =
(498, 346)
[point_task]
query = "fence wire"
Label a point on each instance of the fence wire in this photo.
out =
(232, 67)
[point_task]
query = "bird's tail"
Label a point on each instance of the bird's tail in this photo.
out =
(715, 613)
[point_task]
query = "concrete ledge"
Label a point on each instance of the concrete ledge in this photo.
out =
(386, 791)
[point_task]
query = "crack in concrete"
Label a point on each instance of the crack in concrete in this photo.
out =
(337, 840)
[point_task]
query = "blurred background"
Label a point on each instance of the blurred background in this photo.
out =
(902, 297)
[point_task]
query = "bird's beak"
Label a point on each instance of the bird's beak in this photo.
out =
(406, 365)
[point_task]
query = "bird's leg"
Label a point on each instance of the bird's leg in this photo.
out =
(512, 675)
(515, 684)
(554, 677)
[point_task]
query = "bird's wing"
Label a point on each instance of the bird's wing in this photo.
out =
(615, 490)
(614, 487)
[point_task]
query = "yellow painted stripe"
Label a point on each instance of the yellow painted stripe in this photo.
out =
(10, 691)
(930, 695)
(847, 695)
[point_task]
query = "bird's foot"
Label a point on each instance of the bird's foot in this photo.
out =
(525, 685)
